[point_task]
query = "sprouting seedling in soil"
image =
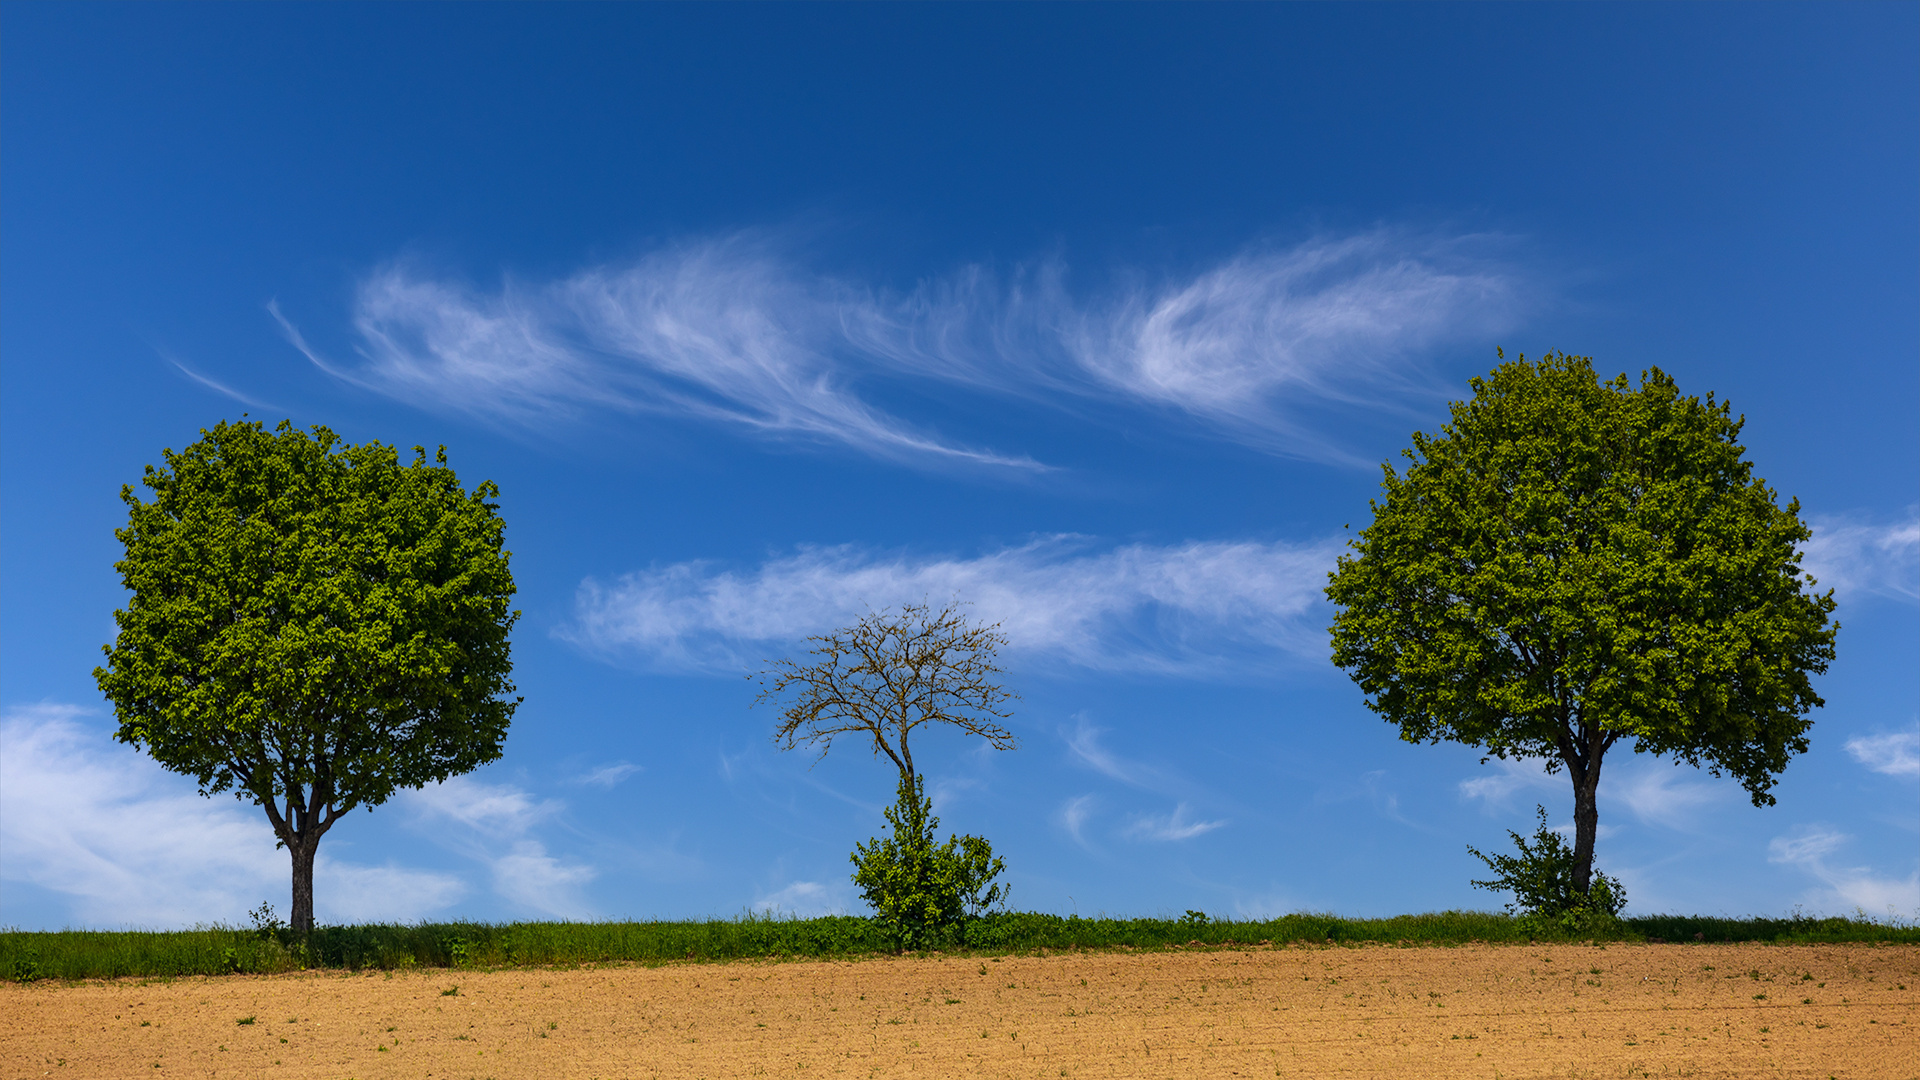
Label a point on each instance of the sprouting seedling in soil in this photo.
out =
(451, 991)
(245, 1020)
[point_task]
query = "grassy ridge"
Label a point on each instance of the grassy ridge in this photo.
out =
(85, 954)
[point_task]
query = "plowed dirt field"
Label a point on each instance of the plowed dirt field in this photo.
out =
(1479, 1011)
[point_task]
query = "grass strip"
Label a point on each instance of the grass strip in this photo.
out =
(219, 950)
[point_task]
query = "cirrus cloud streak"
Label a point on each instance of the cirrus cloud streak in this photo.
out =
(736, 332)
(1194, 608)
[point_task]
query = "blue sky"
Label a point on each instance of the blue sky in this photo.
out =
(1099, 318)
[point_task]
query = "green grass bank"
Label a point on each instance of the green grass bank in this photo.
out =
(217, 950)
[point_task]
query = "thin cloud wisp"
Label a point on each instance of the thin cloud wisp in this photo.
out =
(733, 332)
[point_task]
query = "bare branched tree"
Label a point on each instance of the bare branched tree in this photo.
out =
(888, 674)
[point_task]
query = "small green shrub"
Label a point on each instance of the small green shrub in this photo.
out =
(922, 892)
(266, 925)
(1540, 878)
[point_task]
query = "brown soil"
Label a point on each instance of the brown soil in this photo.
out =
(1482, 1011)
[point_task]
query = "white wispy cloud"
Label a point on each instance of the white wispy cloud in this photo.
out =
(1331, 321)
(1265, 905)
(1073, 817)
(807, 899)
(364, 894)
(1179, 825)
(1085, 748)
(608, 775)
(530, 877)
(947, 791)
(1848, 889)
(1666, 795)
(1510, 776)
(1374, 787)
(1895, 753)
(497, 810)
(735, 331)
(1179, 608)
(1657, 793)
(131, 844)
(492, 824)
(1858, 558)
(216, 385)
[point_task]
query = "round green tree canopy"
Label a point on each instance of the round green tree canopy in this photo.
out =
(311, 623)
(1570, 563)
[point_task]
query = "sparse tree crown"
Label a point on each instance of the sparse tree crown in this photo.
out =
(887, 674)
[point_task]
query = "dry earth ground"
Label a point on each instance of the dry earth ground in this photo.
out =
(1479, 1011)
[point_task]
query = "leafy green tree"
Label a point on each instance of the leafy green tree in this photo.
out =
(311, 625)
(1570, 564)
(877, 681)
(918, 889)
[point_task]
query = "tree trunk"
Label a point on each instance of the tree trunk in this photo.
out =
(303, 849)
(1586, 823)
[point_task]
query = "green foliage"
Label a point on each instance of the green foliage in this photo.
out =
(1569, 564)
(922, 891)
(1541, 879)
(265, 923)
(310, 624)
(89, 954)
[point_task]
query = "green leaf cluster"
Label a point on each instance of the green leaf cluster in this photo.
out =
(1570, 563)
(924, 892)
(1541, 879)
(311, 623)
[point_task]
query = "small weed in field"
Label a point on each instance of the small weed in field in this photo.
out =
(244, 1021)
(451, 991)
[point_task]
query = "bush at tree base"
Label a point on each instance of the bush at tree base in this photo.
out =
(1541, 880)
(924, 893)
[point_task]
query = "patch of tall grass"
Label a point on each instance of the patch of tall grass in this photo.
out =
(219, 950)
